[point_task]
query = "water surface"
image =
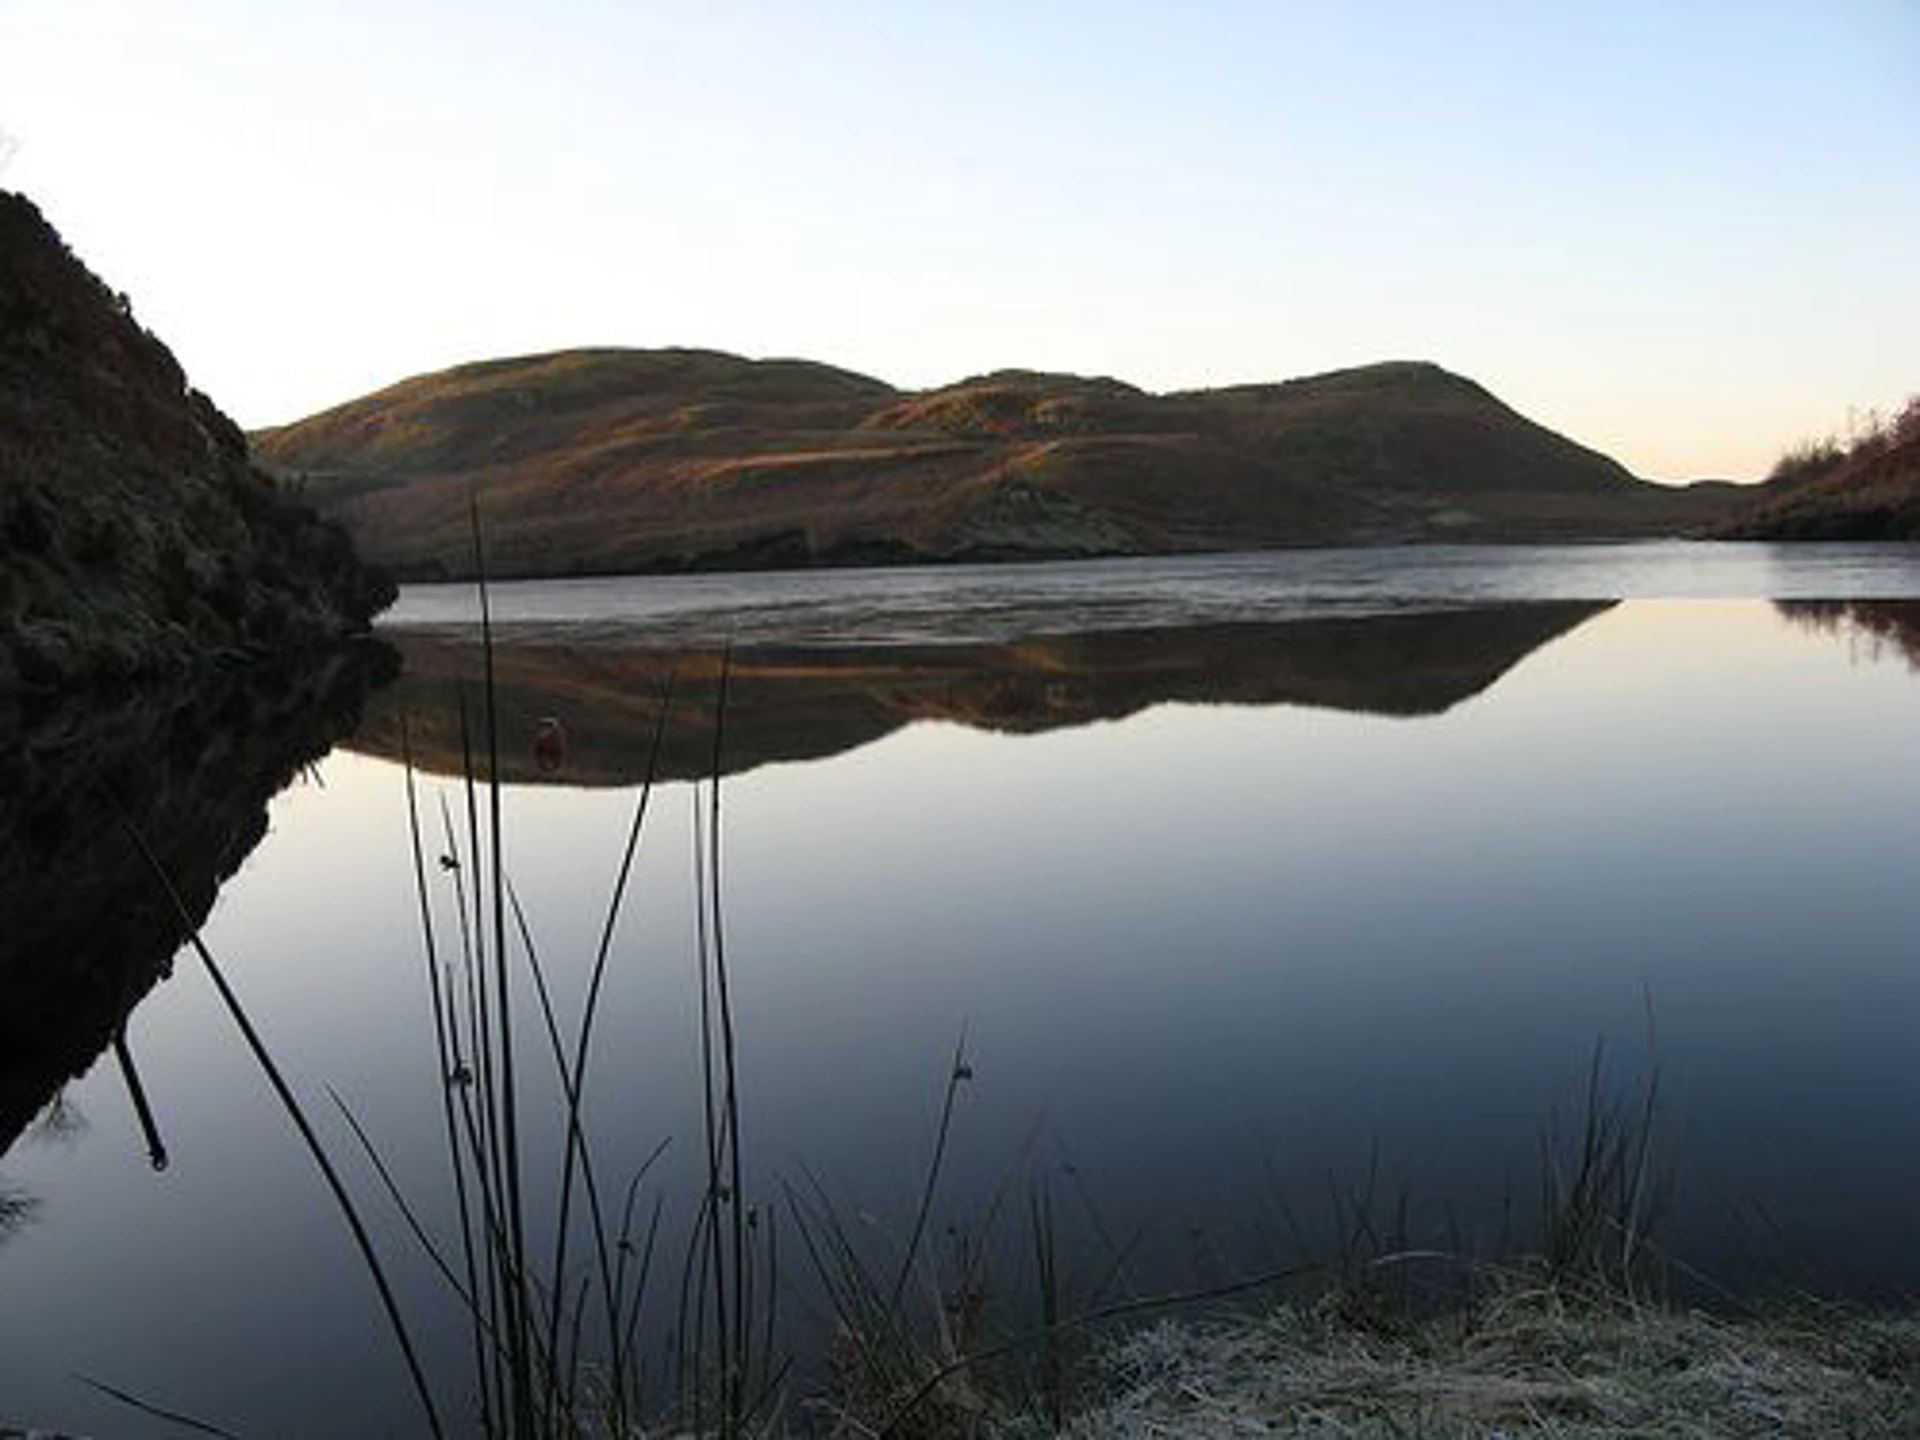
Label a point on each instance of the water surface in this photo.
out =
(1239, 874)
(1003, 602)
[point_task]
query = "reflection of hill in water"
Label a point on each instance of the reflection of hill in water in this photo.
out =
(85, 930)
(795, 703)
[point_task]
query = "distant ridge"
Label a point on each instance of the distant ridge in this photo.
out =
(611, 460)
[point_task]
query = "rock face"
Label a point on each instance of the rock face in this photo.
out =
(604, 461)
(136, 539)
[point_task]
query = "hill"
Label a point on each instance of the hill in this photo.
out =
(136, 539)
(606, 461)
(1870, 494)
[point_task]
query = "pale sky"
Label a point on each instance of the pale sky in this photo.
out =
(1684, 232)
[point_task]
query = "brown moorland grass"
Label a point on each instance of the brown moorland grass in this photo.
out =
(608, 461)
(1870, 495)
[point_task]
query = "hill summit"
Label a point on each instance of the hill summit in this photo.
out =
(610, 460)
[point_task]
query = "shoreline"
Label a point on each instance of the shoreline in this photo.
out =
(1530, 1359)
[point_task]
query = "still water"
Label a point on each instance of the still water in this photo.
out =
(1245, 878)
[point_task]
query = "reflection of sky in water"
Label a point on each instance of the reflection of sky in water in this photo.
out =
(1181, 941)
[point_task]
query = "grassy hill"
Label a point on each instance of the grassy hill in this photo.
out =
(596, 461)
(1870, 494)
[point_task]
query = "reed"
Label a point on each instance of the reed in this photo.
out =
(1603, 1187)
(556, 1343)
(532, 1374)
(882, 1351)
(536, 1371)
(296, 1113)
(1605, 1190)
(539, 1369)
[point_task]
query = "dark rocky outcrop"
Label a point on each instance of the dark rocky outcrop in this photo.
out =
(136, 539)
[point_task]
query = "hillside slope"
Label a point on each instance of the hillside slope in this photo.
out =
(135, 537)
(1869, 496)
(597, 461)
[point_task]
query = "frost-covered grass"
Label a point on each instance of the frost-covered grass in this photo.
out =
(1528, 1361)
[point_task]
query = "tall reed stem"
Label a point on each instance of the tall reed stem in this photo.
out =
(291, 1104)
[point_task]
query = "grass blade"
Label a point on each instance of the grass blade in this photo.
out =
(298, 1115)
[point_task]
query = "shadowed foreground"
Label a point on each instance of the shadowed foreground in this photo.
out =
(88, 929)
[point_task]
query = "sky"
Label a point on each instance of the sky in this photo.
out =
(1682, 232)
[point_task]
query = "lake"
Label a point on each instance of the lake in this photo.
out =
(1261, 891)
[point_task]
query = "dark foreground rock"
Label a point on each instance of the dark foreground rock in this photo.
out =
(136, 538)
